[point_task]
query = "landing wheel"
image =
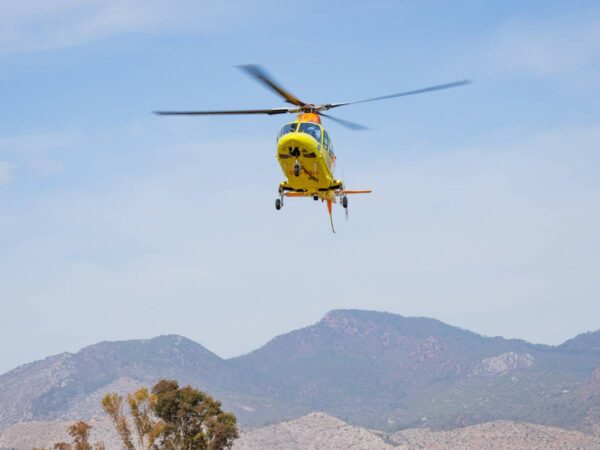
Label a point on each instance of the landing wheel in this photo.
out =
(278, 204)
(345, 201)
(296, 170)
(315, 197)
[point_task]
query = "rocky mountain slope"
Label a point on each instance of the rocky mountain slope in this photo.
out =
(372, 369)
(28, 435)
(321, 431)
(55, 386)
(386, 371)
(497, 435)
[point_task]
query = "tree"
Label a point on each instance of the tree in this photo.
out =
(141, 405)
(171, 418)
(113, 406)
(193, 420)
(80, 432)
(62, 446)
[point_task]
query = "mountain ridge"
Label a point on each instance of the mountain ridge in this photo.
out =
(595, 334)
(370, 368)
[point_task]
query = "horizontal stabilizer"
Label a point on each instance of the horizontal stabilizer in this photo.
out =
(356, 192)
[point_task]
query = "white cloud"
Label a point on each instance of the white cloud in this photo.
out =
(5, 176)
(549, 47)
(34, 25)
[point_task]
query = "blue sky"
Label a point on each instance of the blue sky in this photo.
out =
(117, 224)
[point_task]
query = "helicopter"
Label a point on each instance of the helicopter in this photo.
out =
(304, 148)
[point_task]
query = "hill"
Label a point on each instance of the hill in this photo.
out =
(320, 431)
(585, 343)
(387, 371)
(71, 385)
(371, 369)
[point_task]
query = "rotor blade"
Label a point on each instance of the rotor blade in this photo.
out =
(220, 113)
(261, 75)
(439, 87)
(346, 123)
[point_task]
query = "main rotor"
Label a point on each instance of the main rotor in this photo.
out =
(259, 74)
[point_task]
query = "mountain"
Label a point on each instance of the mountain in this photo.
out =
(586, 342)
(387, 371)
(74, 383)
(320, 431)
(371, 369)
(313, 431)
(500, 434)
(28, 435)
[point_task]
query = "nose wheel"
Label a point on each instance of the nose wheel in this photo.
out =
(279, 201)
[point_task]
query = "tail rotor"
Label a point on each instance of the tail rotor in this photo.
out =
(345, 205)
(344, 197)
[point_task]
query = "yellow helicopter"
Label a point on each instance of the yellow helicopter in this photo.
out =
(304, 148)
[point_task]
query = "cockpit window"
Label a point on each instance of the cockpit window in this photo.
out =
(311, 128)
(289, 128)
(327, 143)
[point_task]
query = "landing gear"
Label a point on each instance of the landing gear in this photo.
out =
(279, 201)
(315, 197)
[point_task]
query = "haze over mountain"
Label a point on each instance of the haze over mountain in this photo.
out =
(372, 369)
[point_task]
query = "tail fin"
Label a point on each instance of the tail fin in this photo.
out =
(329, 203)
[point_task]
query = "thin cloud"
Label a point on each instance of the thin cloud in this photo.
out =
(38, 154)
(550, 47)
(5, 172)
(32, 25)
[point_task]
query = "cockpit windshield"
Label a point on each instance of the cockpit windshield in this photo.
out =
(289, 128)
(311, 128)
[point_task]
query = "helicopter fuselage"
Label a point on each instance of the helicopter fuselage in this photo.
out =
(305, 154)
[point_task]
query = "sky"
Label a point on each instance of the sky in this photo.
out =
(118, 224)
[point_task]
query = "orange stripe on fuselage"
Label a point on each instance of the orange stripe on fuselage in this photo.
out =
(309, 117)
